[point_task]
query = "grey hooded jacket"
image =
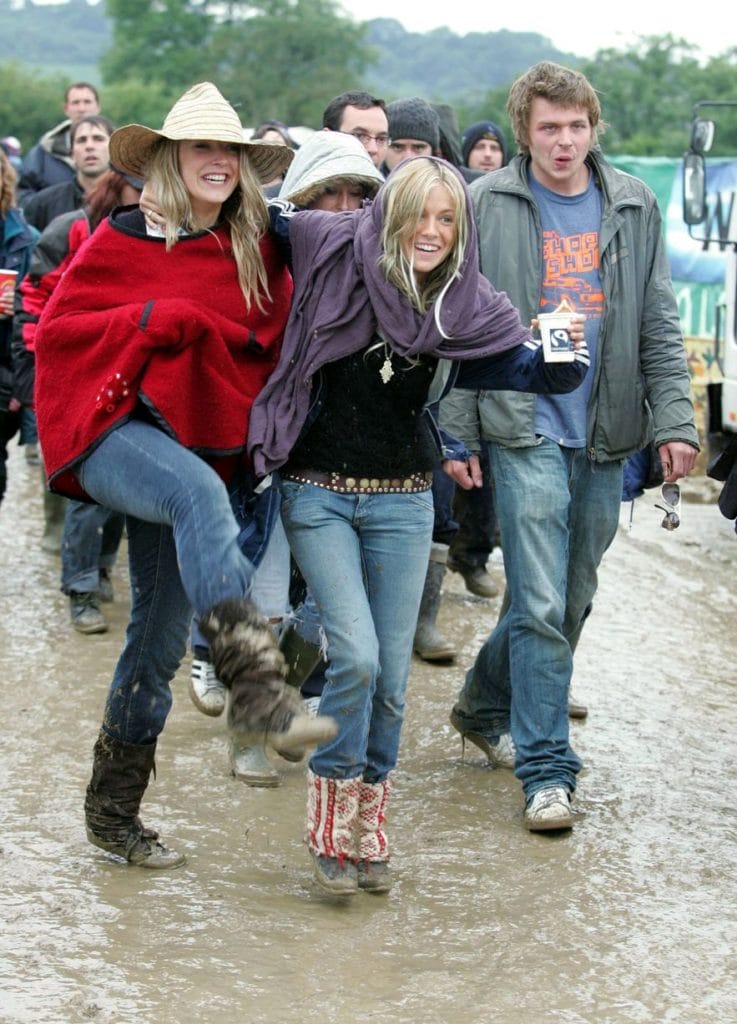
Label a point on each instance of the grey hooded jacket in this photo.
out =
(641, 388)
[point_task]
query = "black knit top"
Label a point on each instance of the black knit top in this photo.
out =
(369, 427)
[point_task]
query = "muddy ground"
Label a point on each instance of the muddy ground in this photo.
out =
(630, 918)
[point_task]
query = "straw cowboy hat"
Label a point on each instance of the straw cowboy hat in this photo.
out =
(201, 113)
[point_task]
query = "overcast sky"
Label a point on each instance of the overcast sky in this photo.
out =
(584, 31)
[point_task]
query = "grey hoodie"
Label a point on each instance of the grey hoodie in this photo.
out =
(325, 157)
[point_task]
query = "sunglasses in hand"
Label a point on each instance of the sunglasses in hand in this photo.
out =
(670, 503)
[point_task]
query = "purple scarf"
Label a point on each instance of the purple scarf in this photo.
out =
(342, 299)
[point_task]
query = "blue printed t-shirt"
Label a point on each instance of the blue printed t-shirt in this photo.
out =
(570, 226)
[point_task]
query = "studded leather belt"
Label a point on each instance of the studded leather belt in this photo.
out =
(360, 484)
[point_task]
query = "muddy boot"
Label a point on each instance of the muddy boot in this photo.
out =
(247, 660)
(54, 511)
(429, 643)
(120, 774)
(301, 656)
(332, 808)
(251, 765)
(374, 874)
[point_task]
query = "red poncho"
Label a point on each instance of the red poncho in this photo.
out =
(130, 321)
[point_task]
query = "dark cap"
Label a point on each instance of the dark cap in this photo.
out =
(480, 130)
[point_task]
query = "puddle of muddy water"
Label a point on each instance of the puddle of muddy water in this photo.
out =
(630, 918)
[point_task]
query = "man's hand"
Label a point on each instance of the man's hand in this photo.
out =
(677, 458)
(466, 474)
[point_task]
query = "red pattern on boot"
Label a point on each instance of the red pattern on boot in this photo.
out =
(373, 844)
(331, 816)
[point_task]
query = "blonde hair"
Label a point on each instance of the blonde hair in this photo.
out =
(245, 211)
(404, 197)
(9, 181)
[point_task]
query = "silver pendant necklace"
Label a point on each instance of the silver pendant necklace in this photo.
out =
(387, 370)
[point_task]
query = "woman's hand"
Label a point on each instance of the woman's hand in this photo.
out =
(150, 208)
(576, 328)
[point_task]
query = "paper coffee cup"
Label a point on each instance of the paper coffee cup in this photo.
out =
(556, 338)
(7, 280)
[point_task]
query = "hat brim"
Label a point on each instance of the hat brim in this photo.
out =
(132, 146)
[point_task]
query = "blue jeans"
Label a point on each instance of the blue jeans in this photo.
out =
(364, 559)
(558, 513)
(89, 543)
(183, 554)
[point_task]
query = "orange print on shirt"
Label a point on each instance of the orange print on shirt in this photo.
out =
(571, 272)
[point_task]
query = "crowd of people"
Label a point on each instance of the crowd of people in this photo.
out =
(304, 380)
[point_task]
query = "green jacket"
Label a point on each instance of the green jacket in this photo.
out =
(641, 389)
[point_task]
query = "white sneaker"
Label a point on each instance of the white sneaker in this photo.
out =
(207, 692)
(311, 705)
(549, 809)
(503, 752)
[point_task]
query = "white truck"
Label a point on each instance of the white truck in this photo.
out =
(710, 211)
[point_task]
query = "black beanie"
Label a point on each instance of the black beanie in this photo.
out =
(477, 131)
(414, 118)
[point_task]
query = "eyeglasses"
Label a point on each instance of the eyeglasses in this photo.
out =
(670, 495)
(364, 138)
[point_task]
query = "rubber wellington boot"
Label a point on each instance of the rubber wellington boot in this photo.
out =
(251, 765)
(120, 774)
(301, 656)
(54, 512)
(429, 643)
(246, 657)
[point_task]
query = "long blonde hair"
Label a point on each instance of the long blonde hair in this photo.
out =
(245, 211)
(404, 197)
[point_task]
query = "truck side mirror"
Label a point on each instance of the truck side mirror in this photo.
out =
(694, 188)
(702, 135)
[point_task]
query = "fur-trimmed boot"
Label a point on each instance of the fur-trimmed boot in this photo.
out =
(374, 874)
(332, 809)
(429, 643)
(247, 659)
(120, 774)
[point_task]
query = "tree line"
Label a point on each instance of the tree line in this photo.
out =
(287, 58)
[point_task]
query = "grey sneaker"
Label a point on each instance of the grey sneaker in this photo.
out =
(374, 876)
(549, 809)
(338, 877)
(500, 750)
(207, 692)
(85, 613)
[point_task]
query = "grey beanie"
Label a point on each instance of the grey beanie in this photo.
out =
(414, 118)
